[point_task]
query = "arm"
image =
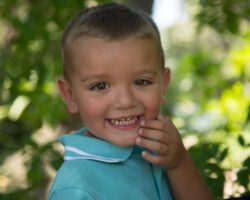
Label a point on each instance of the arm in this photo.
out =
(185, 180)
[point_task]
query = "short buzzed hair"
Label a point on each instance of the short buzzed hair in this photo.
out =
(110, 21)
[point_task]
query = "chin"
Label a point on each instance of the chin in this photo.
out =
(123, 143)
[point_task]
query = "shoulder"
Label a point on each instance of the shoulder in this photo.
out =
(74, 177)
(72, 182)
(70, 193)
(73, 173)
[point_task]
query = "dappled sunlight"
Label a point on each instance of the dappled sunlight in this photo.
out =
(18, 106)
(208, 98)
(234, 104)
(238, 62)
(13, 172)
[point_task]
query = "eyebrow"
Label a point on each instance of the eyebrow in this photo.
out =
(95, 76)
(104, 76)
(147, 71)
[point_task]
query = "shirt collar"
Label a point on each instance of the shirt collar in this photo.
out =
(78, 146)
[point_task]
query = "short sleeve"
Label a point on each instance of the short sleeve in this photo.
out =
(71, 193)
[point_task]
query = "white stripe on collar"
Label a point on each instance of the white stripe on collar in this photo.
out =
(87, 156)
(91, 158)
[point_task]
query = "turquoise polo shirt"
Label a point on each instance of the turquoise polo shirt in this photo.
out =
(96, 169)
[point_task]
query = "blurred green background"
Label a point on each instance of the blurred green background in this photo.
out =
(208, 99)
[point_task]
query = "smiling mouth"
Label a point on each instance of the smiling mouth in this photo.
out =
(124, 121)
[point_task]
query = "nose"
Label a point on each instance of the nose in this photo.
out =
(124, 98)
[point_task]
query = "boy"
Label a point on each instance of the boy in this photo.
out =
(114, 76)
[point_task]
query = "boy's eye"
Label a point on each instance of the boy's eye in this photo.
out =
(100, 86)
(142, 82)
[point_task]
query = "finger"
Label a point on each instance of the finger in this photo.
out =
(155, 135)
(154, 124)
(163, 123)
(157, 160)
(168, 121)
(155, 146)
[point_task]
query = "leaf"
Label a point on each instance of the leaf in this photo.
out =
(243, 177)
(246, 163)
(241, 140)
(223, 154)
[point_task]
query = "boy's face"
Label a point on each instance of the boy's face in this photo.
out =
(114, 85)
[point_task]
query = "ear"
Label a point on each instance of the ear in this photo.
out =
(66, 92)
(165, 83)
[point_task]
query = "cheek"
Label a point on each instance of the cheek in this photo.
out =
(153, 105)
(92, 108)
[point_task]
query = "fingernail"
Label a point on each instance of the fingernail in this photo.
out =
(140, 131)
(144, 153)
(142, 123)
(138, 140)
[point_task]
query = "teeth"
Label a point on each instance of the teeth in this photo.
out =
(124, 121)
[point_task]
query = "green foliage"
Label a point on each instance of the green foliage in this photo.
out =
(210, 91)
(223, 16)
(214, 103)
(209, 96)
(244, 173)
(30, 61)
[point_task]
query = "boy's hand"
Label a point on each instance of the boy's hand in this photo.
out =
(162, 137)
